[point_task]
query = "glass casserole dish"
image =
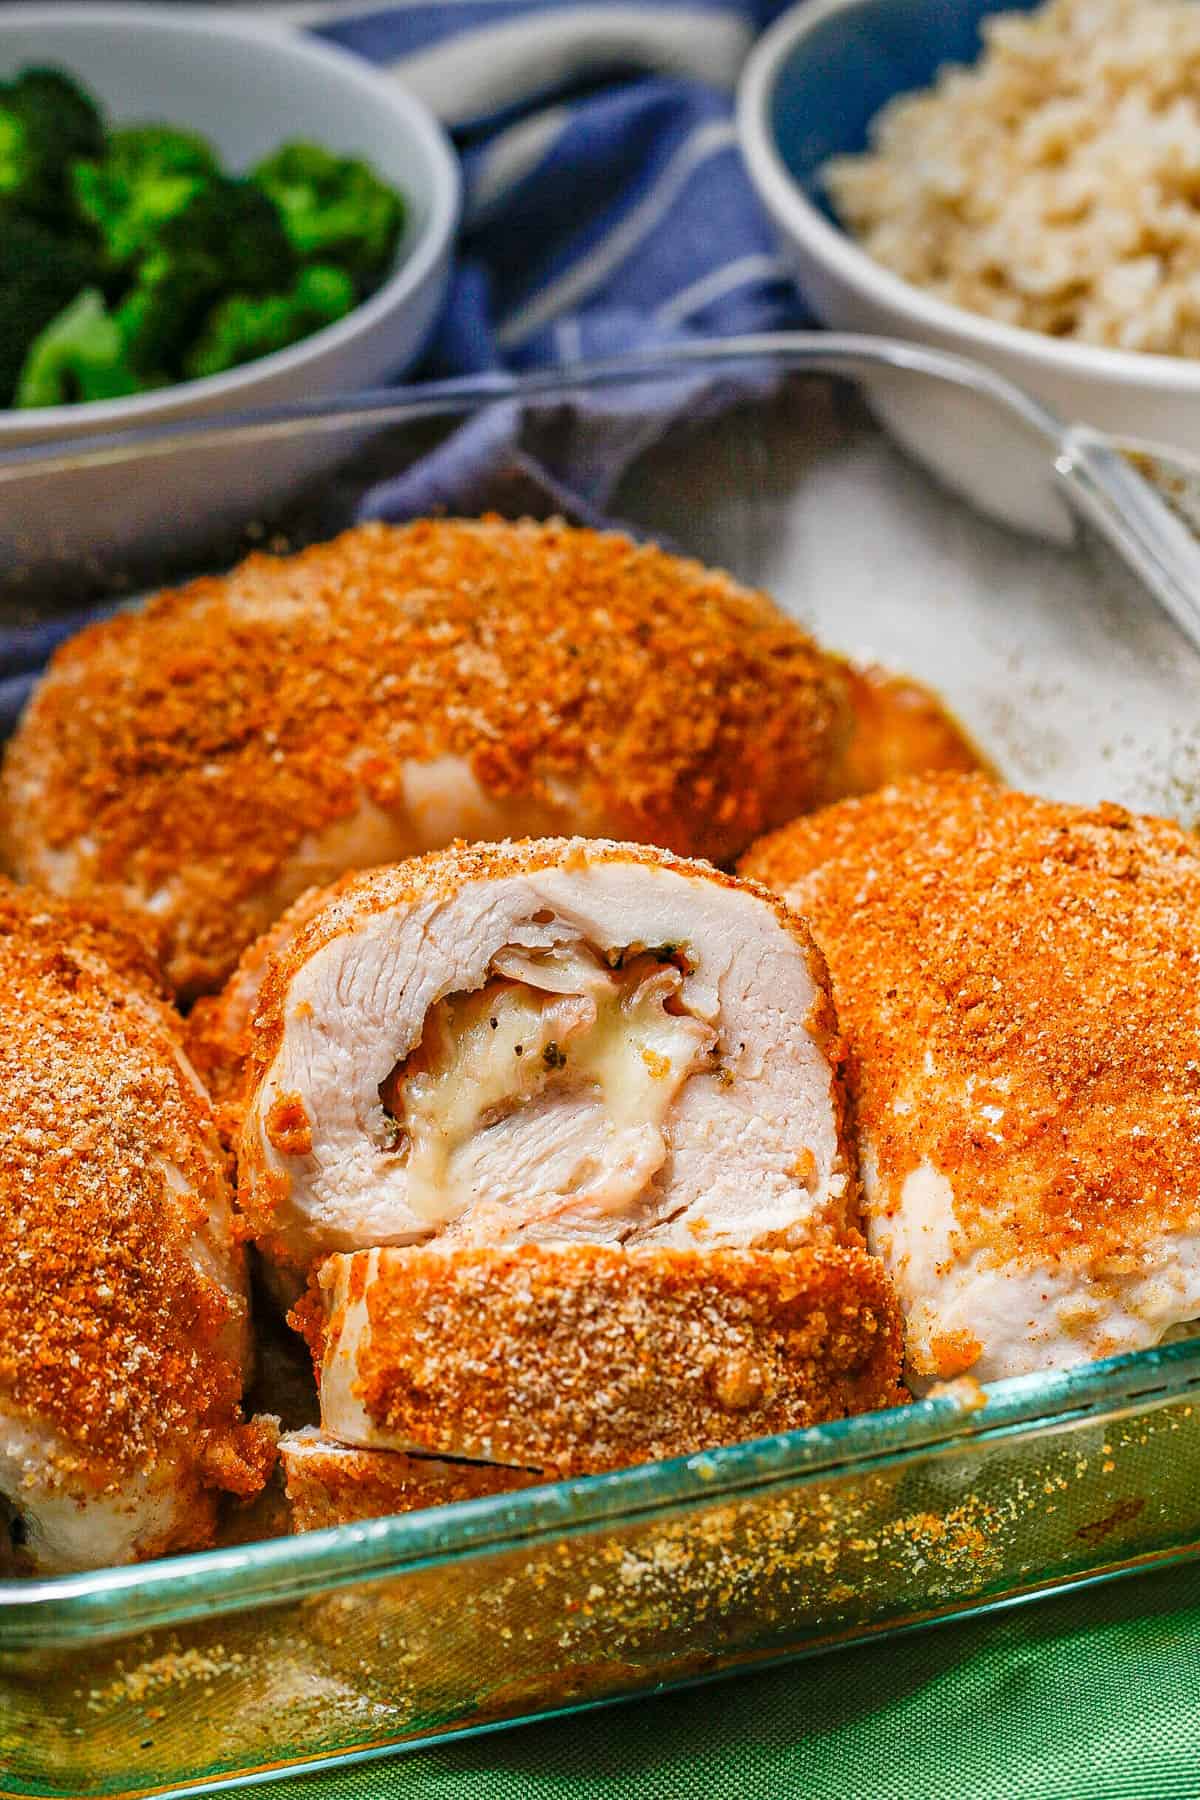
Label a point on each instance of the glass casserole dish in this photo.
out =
(208, 1669)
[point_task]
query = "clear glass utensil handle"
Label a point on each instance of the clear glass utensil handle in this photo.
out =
(1145, 500)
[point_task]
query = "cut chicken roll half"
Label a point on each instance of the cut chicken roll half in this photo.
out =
(1019, 986)
(330, 1483)
(577, 1358)
(560, 1039)
(124, 1324)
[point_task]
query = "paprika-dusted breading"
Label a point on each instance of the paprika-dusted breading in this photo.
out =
(1018, 983)
(206, 758)
(576, 1358)
(123, 1312)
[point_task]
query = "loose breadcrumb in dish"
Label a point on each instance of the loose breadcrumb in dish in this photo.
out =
(1052, 185)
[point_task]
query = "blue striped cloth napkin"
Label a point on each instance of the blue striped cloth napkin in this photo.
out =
(606, 204)
(606, 210)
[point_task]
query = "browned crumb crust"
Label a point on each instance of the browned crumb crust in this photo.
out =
(203, 737)
(215, 1040)
(1051, 954)
(109, 1336)
(583, 1357)
(107, 934)
(331, 1484)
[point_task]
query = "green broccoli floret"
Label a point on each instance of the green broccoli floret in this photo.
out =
(159, 315)
(40, 273)
(237, 229)
(47, 122)
(227, 238)
(147, 175)
(79, 356)
(336, 210)
(244, 327)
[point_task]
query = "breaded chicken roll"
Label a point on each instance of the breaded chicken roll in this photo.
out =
(574, 1358)
(123, 1311)
(556, 1039)
(206, 758)
(1019, 985)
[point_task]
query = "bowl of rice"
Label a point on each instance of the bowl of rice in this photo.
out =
(1020, 184)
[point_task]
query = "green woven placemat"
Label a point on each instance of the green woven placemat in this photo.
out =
(1094, 1695)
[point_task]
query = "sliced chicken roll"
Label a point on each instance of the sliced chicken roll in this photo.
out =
(329, 1483)
(205, 759)
(123, 1311)
(575, 1358)
(560, 1039)
(1019, 984)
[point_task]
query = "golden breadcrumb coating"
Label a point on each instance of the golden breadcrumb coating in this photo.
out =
(187, 757)
(1019, 985)
(577, 1358)
(331, 1484)
(114, 1337)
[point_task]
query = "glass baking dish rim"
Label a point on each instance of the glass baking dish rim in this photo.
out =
(40, 1614)
(1089, 472)
(815, 352)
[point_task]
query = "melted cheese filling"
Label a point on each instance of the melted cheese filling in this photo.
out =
(548, 1088)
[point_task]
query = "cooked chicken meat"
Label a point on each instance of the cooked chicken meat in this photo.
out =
(333, 1484)
(560, 1039)
(574, 1358)
(123, 1313)
(1019, 985)
(205, 759)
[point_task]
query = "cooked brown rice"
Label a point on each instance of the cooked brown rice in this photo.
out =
(1056, 184)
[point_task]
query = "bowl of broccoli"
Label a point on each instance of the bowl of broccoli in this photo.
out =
(203, 212)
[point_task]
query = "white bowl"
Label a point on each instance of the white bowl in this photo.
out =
(837, 50)
(248, 86)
